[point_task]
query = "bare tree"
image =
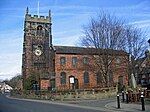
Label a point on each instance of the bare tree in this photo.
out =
(135, 46)
(110, 38)
(105, 31)
(106, 34)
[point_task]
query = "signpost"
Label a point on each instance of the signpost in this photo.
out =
(72, 81)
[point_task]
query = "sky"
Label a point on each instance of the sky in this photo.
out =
(68, 18)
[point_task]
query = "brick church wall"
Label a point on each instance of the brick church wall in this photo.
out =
(79, 69)
(44, 84)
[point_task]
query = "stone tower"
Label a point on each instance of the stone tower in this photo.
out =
(36, 48)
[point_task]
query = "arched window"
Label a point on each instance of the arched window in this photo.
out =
(40, 30)
(111, 77)
(120, 79)
(99, 77)
(86, 77)
(63, 78)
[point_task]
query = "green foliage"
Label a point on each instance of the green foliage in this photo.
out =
(28, 83)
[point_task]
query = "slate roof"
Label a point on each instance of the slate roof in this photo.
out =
(85, 51)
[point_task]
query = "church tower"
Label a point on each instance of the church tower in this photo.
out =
(36, 49)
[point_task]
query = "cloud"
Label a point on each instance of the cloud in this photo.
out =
(9, 60)
(7, 76)
(69, 7)
(66, 10)
(59, 33)
(141, 24)
(10, 65)
(11, 9)
(68, 41)
(10, 55)
(11, 40)
(143, 4)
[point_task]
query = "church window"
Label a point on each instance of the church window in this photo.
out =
(74, 60)
(120, 79)
(86, 77)
(63, 78)
(85, 60)
(62, 60)
(99, 77)
(39, 30)
(111, 77)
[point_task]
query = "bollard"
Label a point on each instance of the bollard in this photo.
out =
(138, 97)
(142, 93)
(139, 90)
(122, 96)
(118, 101)
(142, 102)
(127, 97)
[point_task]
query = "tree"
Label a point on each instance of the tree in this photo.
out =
(135, 46)
(108, 35)
(33, 78)
(28, 84)
(14, 82)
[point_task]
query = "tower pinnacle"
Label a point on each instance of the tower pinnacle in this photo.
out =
(27, 10)
(49, 13)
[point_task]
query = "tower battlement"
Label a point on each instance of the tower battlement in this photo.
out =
(35, 18)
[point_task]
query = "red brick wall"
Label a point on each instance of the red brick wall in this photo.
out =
(79, 69)
(44, 84)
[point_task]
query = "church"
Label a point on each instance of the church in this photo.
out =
(64, 67)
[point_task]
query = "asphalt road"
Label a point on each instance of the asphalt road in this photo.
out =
(14, 105)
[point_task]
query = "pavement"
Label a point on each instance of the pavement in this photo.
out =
(105, 105)
(130, 107)
(111, 105)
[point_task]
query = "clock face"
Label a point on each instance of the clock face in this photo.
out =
(38, 52)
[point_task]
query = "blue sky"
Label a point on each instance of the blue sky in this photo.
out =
(68, 17)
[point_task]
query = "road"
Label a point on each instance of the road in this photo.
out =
(14, 105)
